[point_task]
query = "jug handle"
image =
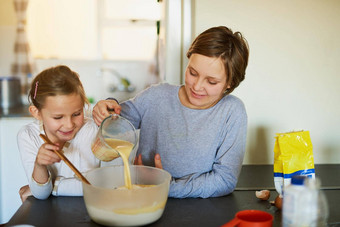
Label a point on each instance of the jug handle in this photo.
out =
(232, 223)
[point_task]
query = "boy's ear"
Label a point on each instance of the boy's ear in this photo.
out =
(35, 112)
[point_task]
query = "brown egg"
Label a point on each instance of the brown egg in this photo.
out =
(263, 194)
(278, 202)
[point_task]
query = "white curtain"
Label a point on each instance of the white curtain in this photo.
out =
(23, 65)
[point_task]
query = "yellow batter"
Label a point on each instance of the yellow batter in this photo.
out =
(124, 149)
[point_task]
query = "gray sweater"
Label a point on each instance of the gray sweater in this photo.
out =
(202, 149)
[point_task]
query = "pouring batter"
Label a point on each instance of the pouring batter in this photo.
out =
(124, 149)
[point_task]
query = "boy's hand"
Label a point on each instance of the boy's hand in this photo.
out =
(103, 109)
(158, 161)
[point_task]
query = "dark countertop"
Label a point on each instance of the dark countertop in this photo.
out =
(258, 177)
(21, 111)
(71, 211)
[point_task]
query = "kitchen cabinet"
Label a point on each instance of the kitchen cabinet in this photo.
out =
(12, 174)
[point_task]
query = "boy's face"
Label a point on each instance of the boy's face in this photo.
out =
(205, 81)
(62, 116)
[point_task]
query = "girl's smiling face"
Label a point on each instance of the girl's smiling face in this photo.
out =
(205, 82)
(62, 117)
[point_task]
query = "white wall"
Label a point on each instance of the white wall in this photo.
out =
(97, 83)
(292, 80)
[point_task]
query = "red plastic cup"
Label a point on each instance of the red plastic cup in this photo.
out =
(251, 218)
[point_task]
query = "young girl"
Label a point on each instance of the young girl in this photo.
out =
(57, 103)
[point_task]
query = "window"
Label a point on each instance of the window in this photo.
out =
(93, 29)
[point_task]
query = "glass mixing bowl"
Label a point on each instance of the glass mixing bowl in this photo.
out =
(110, 205)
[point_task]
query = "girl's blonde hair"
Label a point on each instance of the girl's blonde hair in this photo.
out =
(58, 80)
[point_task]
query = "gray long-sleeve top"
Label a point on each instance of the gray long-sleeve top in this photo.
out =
(202, 149)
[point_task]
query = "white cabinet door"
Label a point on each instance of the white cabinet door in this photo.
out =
(12, 174)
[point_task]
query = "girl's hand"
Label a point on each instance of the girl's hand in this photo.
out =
(158, 161)
(24, 192)
(103, 108)
(46, 155)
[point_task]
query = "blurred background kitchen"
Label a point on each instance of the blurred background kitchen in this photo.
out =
(121, 47)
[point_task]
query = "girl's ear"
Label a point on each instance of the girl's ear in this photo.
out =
(35, 112)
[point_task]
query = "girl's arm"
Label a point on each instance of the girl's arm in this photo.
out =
(46, 156)
(29, 143)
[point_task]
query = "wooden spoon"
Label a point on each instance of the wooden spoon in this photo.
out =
(63, 157)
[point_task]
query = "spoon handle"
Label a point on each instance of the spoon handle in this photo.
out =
(62, 156)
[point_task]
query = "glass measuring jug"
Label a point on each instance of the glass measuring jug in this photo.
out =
(115, 132)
